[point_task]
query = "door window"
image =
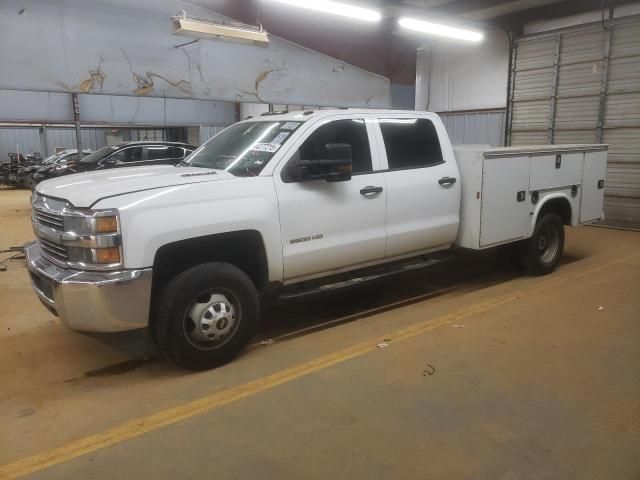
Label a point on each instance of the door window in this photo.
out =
(132, 154)
(157, 152)
(410, 142)
(352, 131)
(177, 152)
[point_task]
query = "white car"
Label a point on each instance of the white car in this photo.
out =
(289, 205)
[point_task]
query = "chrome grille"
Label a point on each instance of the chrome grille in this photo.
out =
(53, 250)
(47, 213)
(49, 219)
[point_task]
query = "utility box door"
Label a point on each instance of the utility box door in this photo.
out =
(505, 200)
(556, 170)
(592, 198)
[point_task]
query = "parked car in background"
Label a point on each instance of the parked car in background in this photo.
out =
(132, 154)
(25, 173)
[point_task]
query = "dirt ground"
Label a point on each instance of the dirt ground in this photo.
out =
(468, 371)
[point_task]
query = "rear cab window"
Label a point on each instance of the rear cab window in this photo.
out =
(410, 143)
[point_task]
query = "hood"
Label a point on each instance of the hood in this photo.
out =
(85, 189)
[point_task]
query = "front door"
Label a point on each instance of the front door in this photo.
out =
(330, 226)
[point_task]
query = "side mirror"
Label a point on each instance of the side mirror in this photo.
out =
(336, 167)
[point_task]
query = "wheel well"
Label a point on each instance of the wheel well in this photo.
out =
(244, 249)
(561, 206)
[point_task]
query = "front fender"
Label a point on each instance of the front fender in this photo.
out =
(153, 218)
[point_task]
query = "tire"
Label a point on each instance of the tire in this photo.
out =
(540, 254)
(205, 316)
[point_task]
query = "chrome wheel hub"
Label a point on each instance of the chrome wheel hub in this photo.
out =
(211, 318)
(548, 244)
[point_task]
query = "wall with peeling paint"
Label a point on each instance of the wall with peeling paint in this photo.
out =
(120, 48)
(55, 107)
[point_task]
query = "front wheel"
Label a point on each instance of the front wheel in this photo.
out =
(540, 254)
(205, 316)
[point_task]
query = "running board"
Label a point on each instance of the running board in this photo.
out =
(362, 280)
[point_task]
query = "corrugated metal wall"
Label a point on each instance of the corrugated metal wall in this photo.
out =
(480, 128)
(582, 85)
(208, 131)
(92, 139)
(25, 140)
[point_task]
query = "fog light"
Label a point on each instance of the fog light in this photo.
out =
(106, 224)
(107, 255)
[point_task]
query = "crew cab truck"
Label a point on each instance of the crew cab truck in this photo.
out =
(290, 204)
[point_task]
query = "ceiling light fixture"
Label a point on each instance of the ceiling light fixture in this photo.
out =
(214, 30)
(336, 8)
(440, 30)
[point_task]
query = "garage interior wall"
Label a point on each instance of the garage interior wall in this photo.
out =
(466, 84)
(581, 84)
(129, 70)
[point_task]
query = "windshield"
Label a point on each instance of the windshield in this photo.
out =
(100, 154)
(50, 159)
(243, 149)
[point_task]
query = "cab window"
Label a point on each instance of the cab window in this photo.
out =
(352, 131)
(410, 142)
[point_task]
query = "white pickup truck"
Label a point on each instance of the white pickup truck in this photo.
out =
(288, 205)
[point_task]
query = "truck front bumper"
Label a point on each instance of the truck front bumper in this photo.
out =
(91, 301)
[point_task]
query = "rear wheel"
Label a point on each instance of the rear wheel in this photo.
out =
(540, 254)
(205, 316)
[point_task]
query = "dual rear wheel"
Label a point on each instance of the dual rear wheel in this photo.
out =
(540, 254)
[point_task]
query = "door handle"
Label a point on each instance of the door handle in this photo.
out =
(447, 181)
(370, 190)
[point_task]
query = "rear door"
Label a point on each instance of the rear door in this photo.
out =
(423, 188)
(330, 226)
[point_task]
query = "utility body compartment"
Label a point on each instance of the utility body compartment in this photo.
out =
(504, 188)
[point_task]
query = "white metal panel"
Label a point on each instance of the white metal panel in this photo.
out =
(475, 128)
(453, 76)
(503, 216)
(470, 160)
(545, 174)
(592, 193)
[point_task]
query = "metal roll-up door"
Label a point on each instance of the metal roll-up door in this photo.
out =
(582, 85)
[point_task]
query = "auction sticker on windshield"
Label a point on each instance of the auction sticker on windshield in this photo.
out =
(280, 138)
(266, 147)
(290, 126)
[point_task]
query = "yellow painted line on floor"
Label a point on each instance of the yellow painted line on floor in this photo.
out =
(155, 421)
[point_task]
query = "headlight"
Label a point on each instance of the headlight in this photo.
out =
(92, 238)
(94, 256)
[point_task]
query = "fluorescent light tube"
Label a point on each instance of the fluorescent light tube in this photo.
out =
(336, 8)
(440, 30)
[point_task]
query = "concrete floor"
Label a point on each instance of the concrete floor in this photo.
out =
(488, 374)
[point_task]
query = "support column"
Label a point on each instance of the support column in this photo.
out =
(554, 89)
(44, 147)
(76, 119)
(605, 79)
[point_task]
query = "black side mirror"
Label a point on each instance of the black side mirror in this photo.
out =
(336, 167)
